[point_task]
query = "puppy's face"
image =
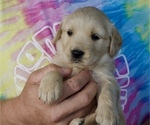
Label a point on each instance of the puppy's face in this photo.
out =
(85, 36)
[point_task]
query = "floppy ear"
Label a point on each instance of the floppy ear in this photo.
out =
(58, 34)
(115, 42)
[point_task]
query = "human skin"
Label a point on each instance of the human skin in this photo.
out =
(77, 100)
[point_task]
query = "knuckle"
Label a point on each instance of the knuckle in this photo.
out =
(34, 74)
(86, 99)
(86, 74)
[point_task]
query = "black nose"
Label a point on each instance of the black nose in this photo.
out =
(77, 53)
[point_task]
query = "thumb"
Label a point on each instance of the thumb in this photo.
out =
(37, 75)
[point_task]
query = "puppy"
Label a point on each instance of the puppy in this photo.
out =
(87, 39)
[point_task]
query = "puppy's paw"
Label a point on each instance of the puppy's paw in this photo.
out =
(107, 116)
(77, 121)
(50, 88)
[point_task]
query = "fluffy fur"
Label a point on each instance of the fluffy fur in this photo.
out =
(87, 39)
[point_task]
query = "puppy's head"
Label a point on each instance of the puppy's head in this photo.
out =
(85, 36)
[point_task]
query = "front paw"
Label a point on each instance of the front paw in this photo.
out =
(77, 121)
(107, 115)
(50, 88)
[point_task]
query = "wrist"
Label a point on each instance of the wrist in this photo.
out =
(13, 112)
(9, 112)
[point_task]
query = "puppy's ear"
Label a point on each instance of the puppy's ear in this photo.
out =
(115, 42)
(58, 34)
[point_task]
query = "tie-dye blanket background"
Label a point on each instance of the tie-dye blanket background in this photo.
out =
(26, 30)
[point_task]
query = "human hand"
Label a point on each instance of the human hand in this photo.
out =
(77, 100)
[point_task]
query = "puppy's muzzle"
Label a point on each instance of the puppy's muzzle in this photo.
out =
(77, 54)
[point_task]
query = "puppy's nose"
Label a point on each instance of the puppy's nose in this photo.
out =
(77, 53)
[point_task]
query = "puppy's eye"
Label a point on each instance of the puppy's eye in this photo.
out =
(69, 32)
(95, 37)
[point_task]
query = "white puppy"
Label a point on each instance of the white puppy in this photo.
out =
(86, 39)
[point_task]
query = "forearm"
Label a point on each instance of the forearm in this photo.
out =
(9, 112)
(12, 113)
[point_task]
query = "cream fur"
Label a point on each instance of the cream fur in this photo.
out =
(98, 57)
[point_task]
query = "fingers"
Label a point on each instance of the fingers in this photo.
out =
(78, 92)
(75, 102)
(75, 84)
(37, 75)
(81, 113)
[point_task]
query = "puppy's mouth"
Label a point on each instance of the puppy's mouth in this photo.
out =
(74, 60)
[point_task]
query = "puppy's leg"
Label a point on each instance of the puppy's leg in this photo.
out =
(107, 112)
(89, 120)
(77, 121)
(50, 88)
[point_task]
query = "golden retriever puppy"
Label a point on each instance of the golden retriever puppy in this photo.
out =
(87, 39)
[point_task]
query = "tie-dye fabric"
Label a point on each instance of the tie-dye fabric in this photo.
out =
(26, 30)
